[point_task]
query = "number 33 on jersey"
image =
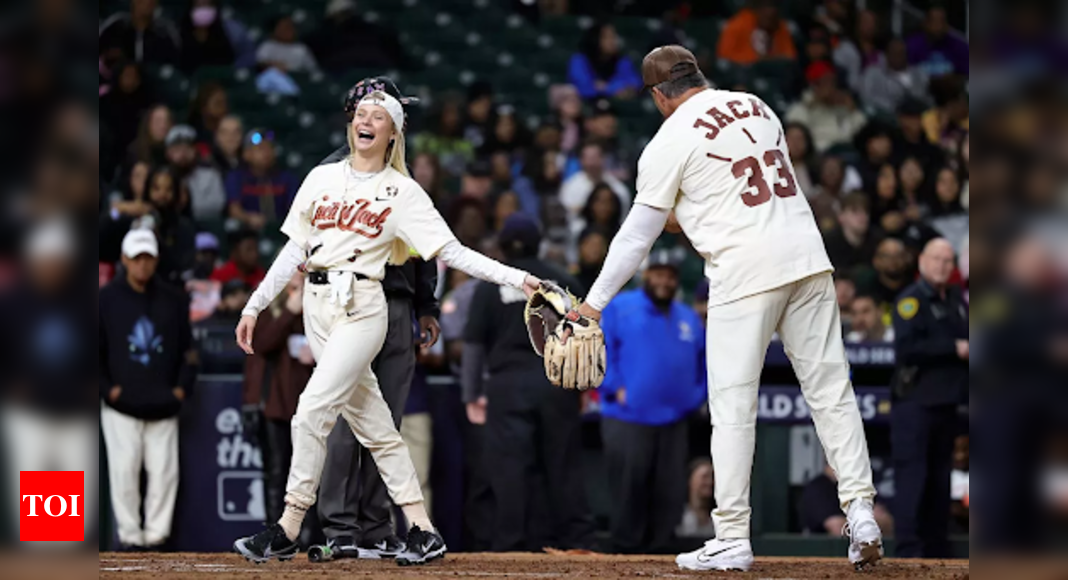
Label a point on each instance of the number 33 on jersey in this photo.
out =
(720, 161)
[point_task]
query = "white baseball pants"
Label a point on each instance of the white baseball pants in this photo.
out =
(38, 441)
(805, 314)
(344, 340)
(131, 444)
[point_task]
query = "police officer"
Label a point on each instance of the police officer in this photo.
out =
(533, 430)
(931, 344)
(354, 506)
(656, 378)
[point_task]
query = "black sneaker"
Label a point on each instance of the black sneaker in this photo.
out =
(388, 547)
(343, 547)
(270, 543)
(421, 548)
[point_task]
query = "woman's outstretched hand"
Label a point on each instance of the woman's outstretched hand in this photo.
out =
(530, 285)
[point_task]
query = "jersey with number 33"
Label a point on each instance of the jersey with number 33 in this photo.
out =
(720, 161)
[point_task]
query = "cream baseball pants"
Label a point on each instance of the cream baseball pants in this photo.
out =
(805, 314)
(344, 339)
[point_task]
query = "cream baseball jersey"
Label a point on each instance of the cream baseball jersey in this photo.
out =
(720, 160)
(345, 221)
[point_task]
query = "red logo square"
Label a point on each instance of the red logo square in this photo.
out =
(51, 506)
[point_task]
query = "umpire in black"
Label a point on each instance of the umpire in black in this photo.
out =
(354, 506)
(931, 382)
(533, 430)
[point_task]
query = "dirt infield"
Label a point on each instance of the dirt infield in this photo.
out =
(227, 566)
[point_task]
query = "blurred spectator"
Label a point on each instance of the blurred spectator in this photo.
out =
(207, 256)
(948, 121)
(504, 205)
(566, 104)
(655, 379)
(577, 189)
(507, 134)
(539, 179)
(204, 39)
(802, 156)
(697, 513)
(962, 167)
(426, 171)
(959, 482)
(141, 35)
(912, 141)
(284, 51)
(275, 376)
(817, 45)
(148, 365)
(856, 54)
(226, 150)
(935, 50)
(845, 290)
(866, 322)
(884, 210)
(756, 33)
(875, 142)
(892, 267)
(477, 181)
(203, 196)
(602, 125)
(467, 217)
(547, 135)
(209, 107)
(932, 351)
(150, 144)
(444, 138)
(911, 179)
(478, 113)
(45, 387)
(828, 111)
(947, 215)
(592, 250)
(602, 211)
(827, 198)
(346, 41)
(232, 298)
(244, 262)
(130, 188)
(821, 512)
(121, 107)
(600, 69)
(834, 16)
(258, 192)
(156, 212)
(886, 84)
(532, 428)
(853, 242)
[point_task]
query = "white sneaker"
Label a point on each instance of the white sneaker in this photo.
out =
(865, 538)
(717, 554)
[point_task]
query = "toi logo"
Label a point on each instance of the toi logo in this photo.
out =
(51, 506)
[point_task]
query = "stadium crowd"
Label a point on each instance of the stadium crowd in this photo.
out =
(877, 127)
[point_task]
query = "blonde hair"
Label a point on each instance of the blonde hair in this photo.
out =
(398, 252)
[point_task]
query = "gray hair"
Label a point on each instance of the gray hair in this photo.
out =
(675, 88)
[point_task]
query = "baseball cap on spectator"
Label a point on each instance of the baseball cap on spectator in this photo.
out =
(180, 134)
(479, 89)
(206, 242)
(601, 107)
(51, 239)
(818, 71)
(668, 63)
(662, 258)
(519, 232)
(140, 241)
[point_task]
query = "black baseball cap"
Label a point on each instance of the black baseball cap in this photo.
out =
(370, 84)
(662, 258)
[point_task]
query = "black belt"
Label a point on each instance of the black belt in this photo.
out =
(322, 277)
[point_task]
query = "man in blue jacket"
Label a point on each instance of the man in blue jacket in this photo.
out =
(656, 377)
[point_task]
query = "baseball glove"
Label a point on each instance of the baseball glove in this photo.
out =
(580, 362)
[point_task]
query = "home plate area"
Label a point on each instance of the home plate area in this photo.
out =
(178, 566)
